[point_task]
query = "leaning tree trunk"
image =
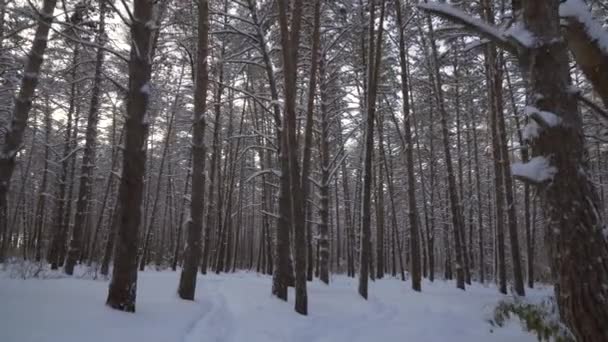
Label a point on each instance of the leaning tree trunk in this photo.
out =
(192, 254)
(123, 286)
(590, 56)
(13, 138)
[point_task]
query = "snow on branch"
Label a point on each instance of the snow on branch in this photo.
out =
(263, 172)
(476, 25)
(520, 33)
(538, 170)
(578, 11)
(542, 118)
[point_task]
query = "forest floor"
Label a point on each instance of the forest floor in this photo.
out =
(239, 307)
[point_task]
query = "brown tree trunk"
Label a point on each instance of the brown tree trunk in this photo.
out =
(323, 227)
(194, 226)
(291, 201)
(577, 244)
(151, 220)
(409, 152)
(88, 157)
(123, 286)
(455, 205)
(13, 138)
(373, 68)
(40, 206)
(212, 210)
(180, 222)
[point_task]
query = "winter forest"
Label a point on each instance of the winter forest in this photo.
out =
(303, 170)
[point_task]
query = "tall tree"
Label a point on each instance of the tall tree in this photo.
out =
(291, 205)
(373, 69)
(409, 151)
(454, 200)
(88, 158)
(13, 138)
(123, 286)
(192, 254)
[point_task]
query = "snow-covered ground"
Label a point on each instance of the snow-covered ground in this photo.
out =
(239, 307)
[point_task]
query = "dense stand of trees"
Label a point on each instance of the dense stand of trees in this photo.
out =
(309, 138)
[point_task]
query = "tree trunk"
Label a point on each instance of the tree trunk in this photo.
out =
(323, 227)
(373, 68)
(194, 226)
(123, 286)
(88, 157)
(455, 205)
(576, 236)
(40, 206)
(13, 137)
(409, 151)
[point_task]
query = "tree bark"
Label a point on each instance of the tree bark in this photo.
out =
(194, 226)
(373, 68)
(575, 233)
(123, 286)
(13, 138)
(409, 152)
(455, 205)
(88, 157)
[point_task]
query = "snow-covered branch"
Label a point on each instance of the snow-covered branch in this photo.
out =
(480, 27)
(537, 170)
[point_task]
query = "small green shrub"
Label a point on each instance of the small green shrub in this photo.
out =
(540, 318)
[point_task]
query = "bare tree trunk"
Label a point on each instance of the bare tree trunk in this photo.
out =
(306, 159)
(40, 206)
(212, 210)
(323, 227)
(455, 205)
(123, 286)
(58, 238)
(575, 233)
(148, 231)
(192, 254)
(379, 200)
(180, 222)
(463, 240)
(88, 158)
(409, 151)
(13, 138)
(480, 225)
(373, 68)
(291, 201)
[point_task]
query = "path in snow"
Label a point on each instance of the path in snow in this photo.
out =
(239, 307)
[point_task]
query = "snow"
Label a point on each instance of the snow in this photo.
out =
(521, 34)
(531, 131)
(549, 119)
(537, 170)
(464, 18)
(145, 89)
(239, 307)
(578, 10)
